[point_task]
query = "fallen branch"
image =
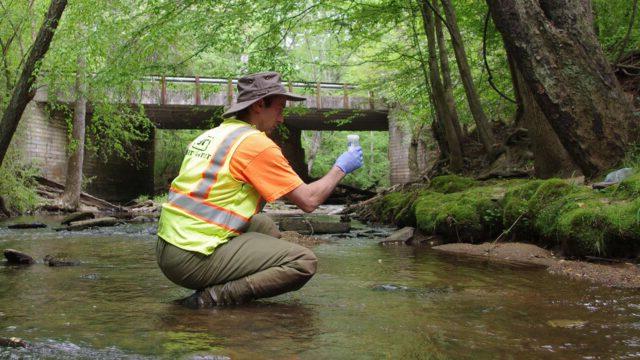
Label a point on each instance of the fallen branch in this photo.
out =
(50, 186)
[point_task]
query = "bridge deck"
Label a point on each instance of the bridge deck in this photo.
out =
(192, 102)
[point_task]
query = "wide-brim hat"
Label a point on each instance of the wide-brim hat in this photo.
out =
(254, 87)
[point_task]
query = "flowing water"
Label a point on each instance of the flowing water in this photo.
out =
(365, 302)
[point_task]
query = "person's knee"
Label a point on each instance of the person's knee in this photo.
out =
(262, 223)
(307, 263)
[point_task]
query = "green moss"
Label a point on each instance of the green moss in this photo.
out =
(515, 208)
(447, 184)
(398, 208)
(550, 212)
(601, 227)
(470, 215)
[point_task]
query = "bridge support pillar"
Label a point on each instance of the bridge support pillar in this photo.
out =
(399, 144)
(291, 145)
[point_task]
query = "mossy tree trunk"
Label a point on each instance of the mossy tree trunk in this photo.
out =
(555, 49)
(442, 108)
(550, 157)
(482, 124)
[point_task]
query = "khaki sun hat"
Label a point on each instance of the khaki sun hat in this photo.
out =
(254, 87)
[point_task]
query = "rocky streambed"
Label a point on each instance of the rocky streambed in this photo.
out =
(366, 301)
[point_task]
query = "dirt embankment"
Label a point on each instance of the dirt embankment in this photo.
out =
(618, 274)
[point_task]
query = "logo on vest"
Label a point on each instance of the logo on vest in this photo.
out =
(198, 149)
(202, 145)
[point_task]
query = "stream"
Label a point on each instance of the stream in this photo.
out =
(365, 302)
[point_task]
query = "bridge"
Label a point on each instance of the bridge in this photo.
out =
(197, 103)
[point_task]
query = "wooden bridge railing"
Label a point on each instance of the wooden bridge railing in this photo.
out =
(230, 84)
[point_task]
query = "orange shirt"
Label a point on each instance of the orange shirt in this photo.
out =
(259, 161)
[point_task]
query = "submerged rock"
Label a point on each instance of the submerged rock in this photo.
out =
(140, 219)
(403, 234)
(91, 276)
(12, 342)
(36, 225)
(390, 287)
(53, 261)
(17, 257)
(567, 324)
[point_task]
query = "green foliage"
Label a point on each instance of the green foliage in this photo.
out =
(18, 186)
(375, 171)
(612, 23)
(171, 146)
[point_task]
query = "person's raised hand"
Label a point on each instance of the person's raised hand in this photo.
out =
(350, 161)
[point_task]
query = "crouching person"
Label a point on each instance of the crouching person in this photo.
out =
(211, 237)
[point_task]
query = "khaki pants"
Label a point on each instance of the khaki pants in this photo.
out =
(253, 265)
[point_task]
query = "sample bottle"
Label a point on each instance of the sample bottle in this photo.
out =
(353, 140)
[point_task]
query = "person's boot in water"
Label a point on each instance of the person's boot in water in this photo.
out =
(198, 300)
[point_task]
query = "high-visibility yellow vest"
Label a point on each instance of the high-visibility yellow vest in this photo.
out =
(206, 205)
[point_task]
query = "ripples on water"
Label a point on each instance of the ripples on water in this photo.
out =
(366, 302)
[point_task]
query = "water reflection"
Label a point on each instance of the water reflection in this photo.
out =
(117, 304)
(289, 329)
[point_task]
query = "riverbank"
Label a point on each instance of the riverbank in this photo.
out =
(613, 274)
(565, 217)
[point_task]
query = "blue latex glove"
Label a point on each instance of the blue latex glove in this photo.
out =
(350, 161)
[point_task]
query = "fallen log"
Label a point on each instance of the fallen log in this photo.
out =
(36, 225)
(85, 224)
(309, 226)
(50, 186)
(77, 216)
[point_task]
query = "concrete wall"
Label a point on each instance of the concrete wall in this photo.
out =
(399, 142)
(41, 140)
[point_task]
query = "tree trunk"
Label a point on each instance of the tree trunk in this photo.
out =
(453, 142)
(23, 93)
(447, 84)
(482, 124)
(73, 186)
(437, 127)
(550, 157)
(555, 49)
(316, 141)
(372, 153)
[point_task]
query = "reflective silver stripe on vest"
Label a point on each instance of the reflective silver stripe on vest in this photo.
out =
(207, 212)
(219, 157)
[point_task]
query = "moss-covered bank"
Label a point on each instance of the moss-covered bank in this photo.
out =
(553, 213)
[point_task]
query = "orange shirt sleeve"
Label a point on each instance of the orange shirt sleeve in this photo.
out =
(259, 161)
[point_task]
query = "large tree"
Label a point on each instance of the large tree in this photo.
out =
(475, 106)
(553, 45)
(23, 92)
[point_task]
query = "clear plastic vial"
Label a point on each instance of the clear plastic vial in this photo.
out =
(352, 141)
